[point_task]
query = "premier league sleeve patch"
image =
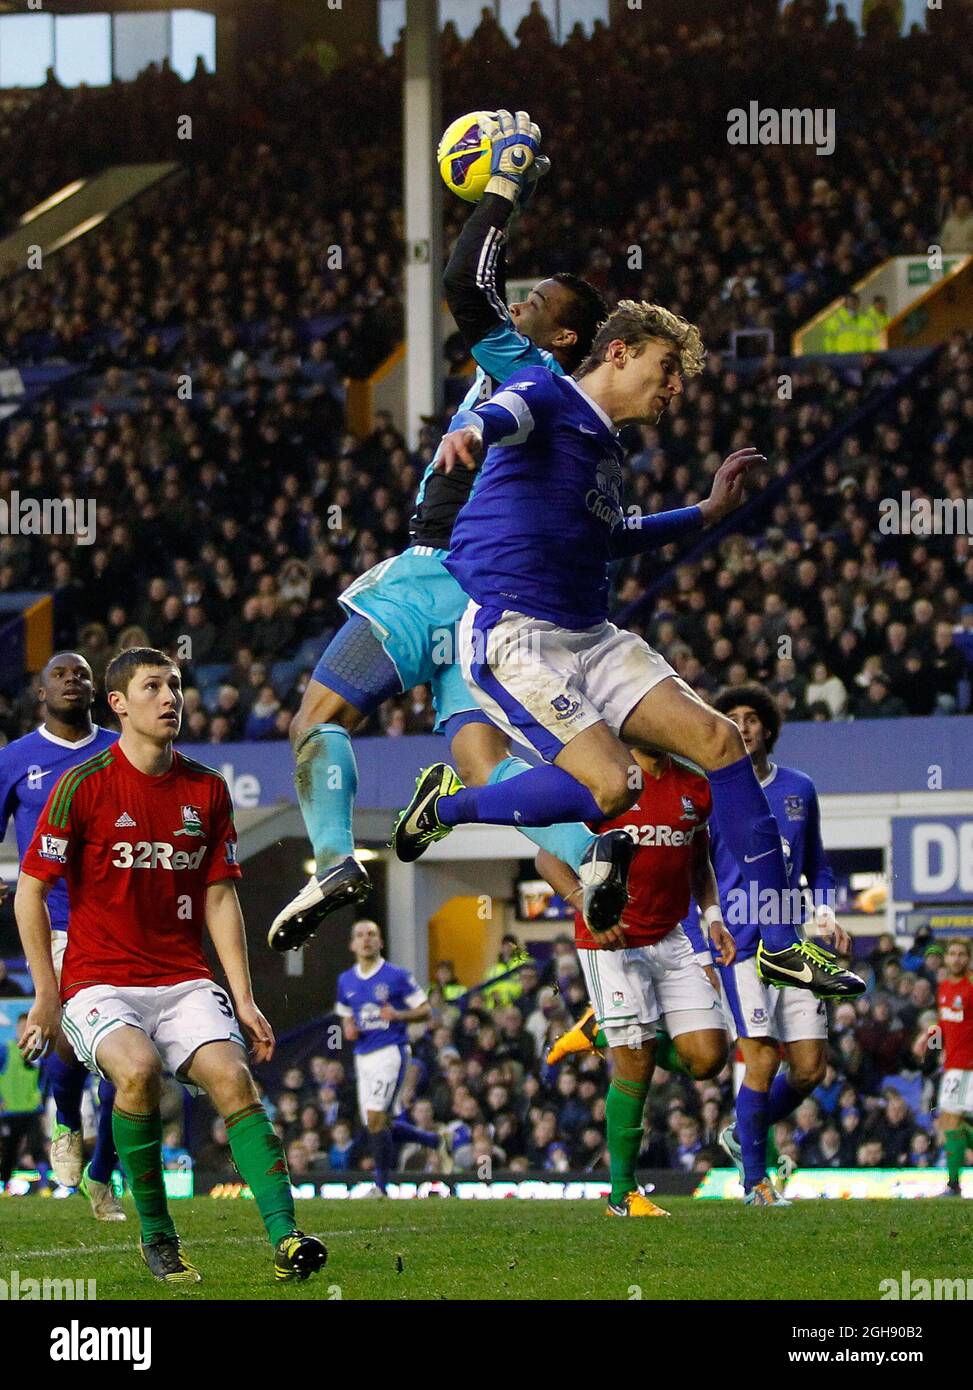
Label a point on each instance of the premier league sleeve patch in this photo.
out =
(53, 849)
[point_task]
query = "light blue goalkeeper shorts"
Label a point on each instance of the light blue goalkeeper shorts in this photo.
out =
(414, 606)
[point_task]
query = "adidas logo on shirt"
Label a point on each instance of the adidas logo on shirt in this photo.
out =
(125, 820)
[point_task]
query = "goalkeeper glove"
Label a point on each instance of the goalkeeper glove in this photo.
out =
(540, 167)
(515, 141)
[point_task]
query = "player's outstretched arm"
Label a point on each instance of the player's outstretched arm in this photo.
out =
(475, 274)
(224, 922)
(707, 895)
(34, 926)
(652, 532)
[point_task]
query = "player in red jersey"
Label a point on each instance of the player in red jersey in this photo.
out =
(144, 837)
(954, 1001)
(644, 969)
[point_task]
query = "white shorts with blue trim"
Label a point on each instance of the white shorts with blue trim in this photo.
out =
(380, 1076)
(543, 684)
(761, 1011)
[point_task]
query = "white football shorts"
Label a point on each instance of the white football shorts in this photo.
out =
(761, 1011)
(956, 1092)
(177, 1019)
(543, 684)
(380, 1076)
(631, 990)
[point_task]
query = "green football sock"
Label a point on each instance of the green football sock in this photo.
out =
(955, 1153)
(138, 1139)
(623, 1111)
(601, 1042)
(667, 1056)
(259, 1157)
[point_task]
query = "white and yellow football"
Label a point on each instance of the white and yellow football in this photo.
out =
(464, 156)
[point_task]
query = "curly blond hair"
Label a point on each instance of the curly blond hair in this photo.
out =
(634, 322)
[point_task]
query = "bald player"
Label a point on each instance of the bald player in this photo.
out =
(29, 767)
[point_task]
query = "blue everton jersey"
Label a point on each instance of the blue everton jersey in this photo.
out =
(362, 997)
(29, 767)
(536, 535)
(441, 496)
(794, 803)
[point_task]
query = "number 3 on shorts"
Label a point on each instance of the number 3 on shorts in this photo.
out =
(225, 1007)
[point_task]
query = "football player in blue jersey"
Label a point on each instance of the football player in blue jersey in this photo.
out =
(403, 614)
(376, 1003)
(29, 767)
(765, 1018)
(533, 548)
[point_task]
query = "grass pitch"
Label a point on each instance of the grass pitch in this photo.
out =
(462, 1249)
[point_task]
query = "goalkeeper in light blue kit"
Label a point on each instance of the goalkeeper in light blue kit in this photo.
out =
(532, 548)
(404, 613)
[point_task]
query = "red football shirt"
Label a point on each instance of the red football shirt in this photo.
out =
(138, 853)
(954, 1000)
(664, 822)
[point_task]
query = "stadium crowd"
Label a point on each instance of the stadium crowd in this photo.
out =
(230, 519)
(226, 532)
(479, 1077)
(228, 522)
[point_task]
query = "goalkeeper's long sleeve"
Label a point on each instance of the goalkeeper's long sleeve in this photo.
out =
(652, 532)
(475, 276)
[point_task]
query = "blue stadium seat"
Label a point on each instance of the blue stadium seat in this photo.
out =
(310, 649)
(210, 676)
(283, 674)
(909, 1088)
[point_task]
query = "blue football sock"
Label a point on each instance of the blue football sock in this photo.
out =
(104, 1159)
(746, 822)
(404, 1133)
(543, 795)
(382, 1152)
(326, 780)
(783, 1098)
(751, 1131)
(67, 1087)
(567, 842)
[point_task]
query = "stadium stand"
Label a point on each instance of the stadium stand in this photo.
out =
(238, 515)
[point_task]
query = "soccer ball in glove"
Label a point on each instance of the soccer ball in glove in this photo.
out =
(464, 156)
